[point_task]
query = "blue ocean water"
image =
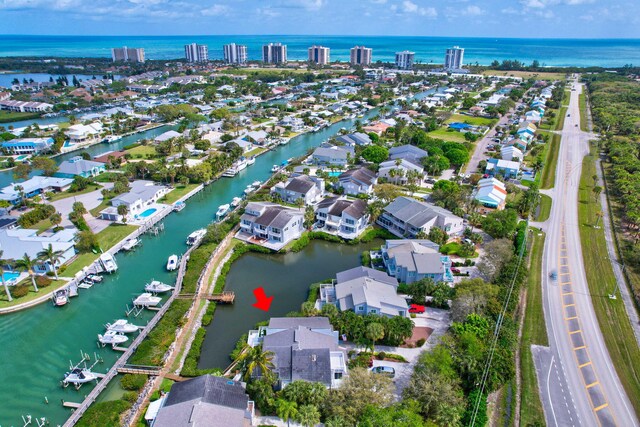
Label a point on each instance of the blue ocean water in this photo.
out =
(550, 52)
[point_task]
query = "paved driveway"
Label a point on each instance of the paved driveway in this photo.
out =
(89, 200)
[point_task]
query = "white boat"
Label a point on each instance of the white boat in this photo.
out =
(122, 326)
(236, 167)
(108, 262)
(60, 297)
(94, 278)
(195, 236)
(248, 190)
(85, 285)
(179, 206)
(130, 244)
(283, 141)
(112, 337)
(251, 160)
(172, 263)
(275, 168)
(146, 300)
(236, 201)
(78, 376)
(256, 184)
(157, 287)
(222, 211)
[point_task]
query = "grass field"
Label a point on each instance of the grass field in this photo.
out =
(476, 121)
(550, 162)
(447, 135)
(177, 193)
(533, 332)
(65, 194)
(557, 123)
(612, 317)
(545, 208)
(11, 116)
(526, 74)
(142, 151)
(582, 102)
(103, 205)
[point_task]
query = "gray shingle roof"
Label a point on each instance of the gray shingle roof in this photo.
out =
(414, 212)
(209, 389)
(362, 175)
(300, 184)
(375, 294)
(354, 273)
(78, 167)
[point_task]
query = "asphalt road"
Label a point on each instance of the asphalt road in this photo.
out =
(578, 366)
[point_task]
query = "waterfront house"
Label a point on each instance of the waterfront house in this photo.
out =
(357, 181)
(331, 155)
(295, 123)
(258, 137)
(491, 194)
(353, 139)
(506, 168)
(397, 171)
(170, 134)
(342, 217)
(77, 166)
(407, 217)
(413, 260)
(378, 128)
(141, 195)
(84, 134)
(205, 400)
(270, 225)
(511, 153)
(305, 348)
(25, 106)
(309, 189)
(242, 143)
(19, 241)
(34, 186)
(364, 291)
(410, 153)
(27, 146)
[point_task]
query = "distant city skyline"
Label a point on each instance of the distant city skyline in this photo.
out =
(490, 18)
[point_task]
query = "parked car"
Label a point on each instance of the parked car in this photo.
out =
(416, 308)
(455, 270)
(384, 370)
(469, 241)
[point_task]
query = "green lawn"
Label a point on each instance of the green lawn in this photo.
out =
(533, 332)
(545, 208)
(475, 121)
(66, 194)
(43, 225)
(551, 162)
(255, 151)
(447, 135)
(582, 102)
(566, 97)
(612, 317)
(557, 122)
(142, 151)
(11, 116)
(562, 114)
(526, 74)
(103, 205)
(4, 302)
(177, 193)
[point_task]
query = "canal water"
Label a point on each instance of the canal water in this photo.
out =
(285, 277)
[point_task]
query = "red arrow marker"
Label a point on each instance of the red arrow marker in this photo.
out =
(263, 301)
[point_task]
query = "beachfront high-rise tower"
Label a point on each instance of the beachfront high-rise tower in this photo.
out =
(196, 52)
(361, 55)
(404, 59)
(319, 55)
(274, 53)
(453, 58)
(127, 54)
(235, 53)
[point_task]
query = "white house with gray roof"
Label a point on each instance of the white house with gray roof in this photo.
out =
(364, 291)
(342, 217)
(413, 260)
(141, 195)
(353, 139)
(397, 171)
(407, 217)
(357, 181)
(270, 225)
(331, 155)
(407, 152)
(309, 189)
(17, 242)
(305, 348)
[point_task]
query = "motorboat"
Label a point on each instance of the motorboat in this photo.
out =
(256, 184)
(130, 244)
(108, 262)
(222, 211)
(157, 287)
(172, 263)
(146, 300)
(196, 236)
(236, 167)
(236, 201)
(112, 337)
(122, 326)
(248, 190)
(251, 160)
(94, 278)
(275, 168)
(79, 376)
(60, 297)
(179, 206)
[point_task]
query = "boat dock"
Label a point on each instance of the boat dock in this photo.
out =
(226, 297)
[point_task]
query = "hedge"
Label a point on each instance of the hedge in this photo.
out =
(197, 262)
(39, 213)
(133, 382)
(104, 414)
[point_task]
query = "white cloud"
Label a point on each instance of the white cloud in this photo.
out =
(473, 11)
(378, 1)
(412, 8)
(216, 10)
(268, 12)
(540, 4)
(587, 18)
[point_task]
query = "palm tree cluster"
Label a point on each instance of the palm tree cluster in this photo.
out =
(27, 263)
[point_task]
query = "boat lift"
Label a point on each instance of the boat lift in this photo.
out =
(135, 310)
(83, 363)
(28, 419)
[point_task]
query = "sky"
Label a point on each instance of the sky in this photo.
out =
(462, 18)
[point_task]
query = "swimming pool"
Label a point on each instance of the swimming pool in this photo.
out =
(10, 275)
(334, 173)
(22, 158)
(147, 213)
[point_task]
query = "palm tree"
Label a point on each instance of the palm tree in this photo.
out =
(51, 255)
(4, 263)
(254, 359)
(27, 264)
(308, 415)
(374, 332)
(123, 210)
(286, 410)
(56, 219)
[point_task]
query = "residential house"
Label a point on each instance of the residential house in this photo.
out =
(413, 260)
(519, 144)
(270, 225)
(342, 217)
(407, 217)
(77, 166)
(526, 131)
(353, 139)
(510, 152)
(331, 155)
(492, 195)
(27, 146)
(17, 242)
(304, 348)
(357, 181)
(206, 400)
(84, 134)
(25, 106)
(506, 168)
(533, 116)
(34, 186)
(309, 189)
(364, 291)
(398, 171)
(295, 123)
(410, 153)
(141, 195)
(258, 137)
(170, 134)
(378, 128)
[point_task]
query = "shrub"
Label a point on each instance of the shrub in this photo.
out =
(38, 213)
(381, 355)
(133, 382)
(208, 315)
(104, 414)
(20, 291)
(366, 258)
(43, 281)
(420, 342)
(412, 315)
(130, 396)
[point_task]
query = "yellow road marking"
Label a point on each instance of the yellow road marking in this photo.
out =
(604, 405)
(580, 348)
(595, 383)
(570, 318)
(583, 365)
(575, 332)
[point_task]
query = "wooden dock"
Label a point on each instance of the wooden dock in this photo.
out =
(226, 297)
(72, 405)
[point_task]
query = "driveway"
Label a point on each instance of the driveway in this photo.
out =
(89, 200)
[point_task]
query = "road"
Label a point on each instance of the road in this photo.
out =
(578, 382)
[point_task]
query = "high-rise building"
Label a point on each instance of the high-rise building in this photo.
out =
(274, 53)
(235, 53)
(404, 59)
(319, 55)
(196, 52)
(132, 54)
(453, 58)
(361, 55)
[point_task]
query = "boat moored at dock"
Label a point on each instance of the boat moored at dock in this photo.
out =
(157, 287)
(172, 263)
(222, 211)
(108, 262)
(112, 338)
(130, 244)
(146, 300)
(194, 237)
(178, 206)
(60, 297)
(122, 326)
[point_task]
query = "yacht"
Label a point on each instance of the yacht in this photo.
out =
(222, 211)
(112, 337)
(195, 236)
(236, 201)
(157, 287)
(275, 168)
(60, 297)
(78, 376)
(248, 190)
(251, 160)
(146, 300)
(172, 263)
(122, 326)
(179, 206)
(108, 262)
(130, 244)
(94, 278)
(256, 184)
(236, 167)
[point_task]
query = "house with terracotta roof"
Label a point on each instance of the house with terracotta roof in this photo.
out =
(378, 128)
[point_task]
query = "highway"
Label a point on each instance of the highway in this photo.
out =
(578, 382)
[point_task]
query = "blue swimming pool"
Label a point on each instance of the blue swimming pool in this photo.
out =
(334, 173)
(147, 213)
(10, 275)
